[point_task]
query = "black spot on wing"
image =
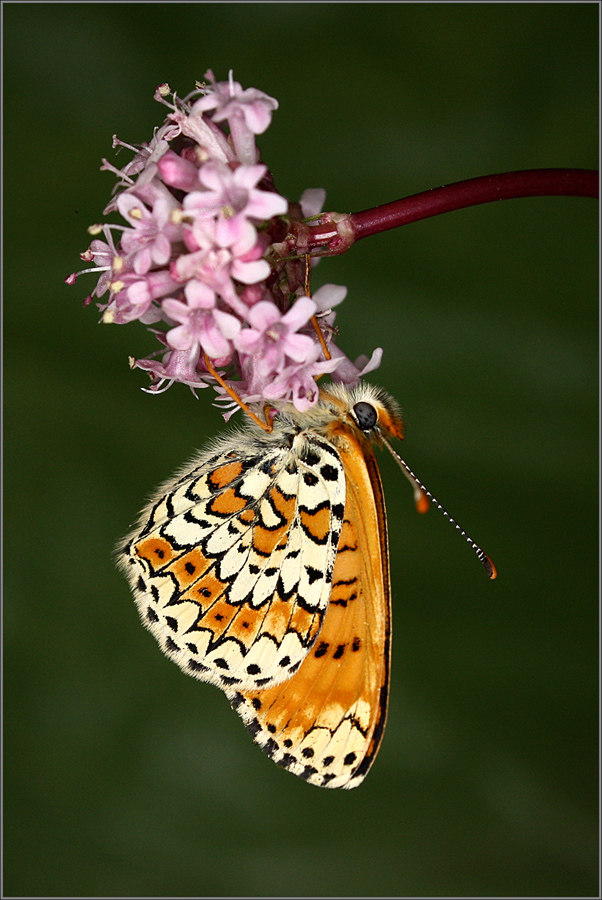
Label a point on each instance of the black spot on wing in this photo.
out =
(237, 700)
(311, 458)
(254, 727)
(344, 581)
(191, 519)
(268, 467)
(270, 747)
(329, 473)
(313, 574)
(197, 666)
(338, 511)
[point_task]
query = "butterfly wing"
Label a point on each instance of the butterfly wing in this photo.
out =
(326, 722)
(231, 564)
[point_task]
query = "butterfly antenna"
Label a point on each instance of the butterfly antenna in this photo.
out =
(422, 497)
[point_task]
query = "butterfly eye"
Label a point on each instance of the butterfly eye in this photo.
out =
(365, 415)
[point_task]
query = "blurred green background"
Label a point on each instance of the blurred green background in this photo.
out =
(124, 777)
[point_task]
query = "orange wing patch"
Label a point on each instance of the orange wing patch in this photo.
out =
(316, 523)
(225, 475)
(227, 503)
(247, 622)
(156, 551)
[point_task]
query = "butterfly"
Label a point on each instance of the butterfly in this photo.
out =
(263, 568)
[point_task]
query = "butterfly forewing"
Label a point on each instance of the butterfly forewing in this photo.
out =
(231, 566)
(326, 722)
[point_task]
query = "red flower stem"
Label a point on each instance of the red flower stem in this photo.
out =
(506, 186)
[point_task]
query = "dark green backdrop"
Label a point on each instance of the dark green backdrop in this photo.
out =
(123, 776)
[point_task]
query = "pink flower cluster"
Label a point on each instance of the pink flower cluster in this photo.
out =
(205, 261)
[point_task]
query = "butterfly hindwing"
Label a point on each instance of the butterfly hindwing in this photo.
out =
(231, 564)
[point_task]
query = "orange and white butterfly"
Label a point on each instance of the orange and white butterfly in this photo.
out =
(263, 568)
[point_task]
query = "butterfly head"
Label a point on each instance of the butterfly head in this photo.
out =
(367, 409)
